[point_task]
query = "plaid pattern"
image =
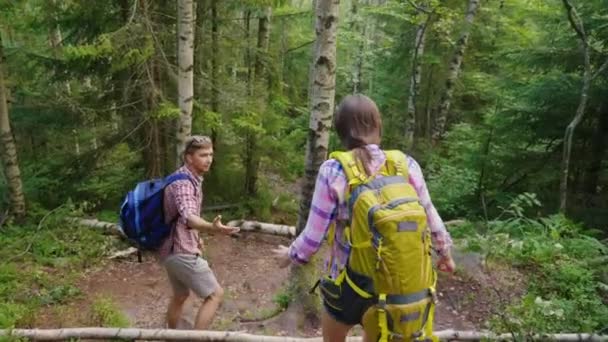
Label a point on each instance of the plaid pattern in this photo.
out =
(329, 205)
(181, 200)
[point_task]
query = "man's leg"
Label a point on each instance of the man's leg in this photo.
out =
(333, 331)
(207, 310)
(174, 311)
(206, 286)
(175, 270)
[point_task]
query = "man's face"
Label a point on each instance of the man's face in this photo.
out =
(200, 160)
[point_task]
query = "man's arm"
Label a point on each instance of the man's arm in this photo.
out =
(184, 195)
(200, 224)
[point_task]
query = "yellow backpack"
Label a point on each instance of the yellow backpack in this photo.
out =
(390, 247)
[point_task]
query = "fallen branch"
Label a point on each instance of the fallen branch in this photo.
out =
(106, 227)
(263, 227)
(455, 222)
(198, 335)
(123, 253)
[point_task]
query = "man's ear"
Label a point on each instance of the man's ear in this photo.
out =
(187, 158)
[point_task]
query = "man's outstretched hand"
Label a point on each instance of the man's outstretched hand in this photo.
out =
(281, 254)
(222, 228)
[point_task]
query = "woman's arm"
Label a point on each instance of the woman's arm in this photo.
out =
(323, 211)
(442, 243)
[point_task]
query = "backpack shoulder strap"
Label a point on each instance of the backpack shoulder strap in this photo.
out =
(179, 176)
(352, 168)
(396, 162)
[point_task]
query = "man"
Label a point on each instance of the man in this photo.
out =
(181, 253)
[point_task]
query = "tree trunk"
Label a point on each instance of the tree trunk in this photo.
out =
(321, 100)
(199, 42)
(151, 95)
(215, 92)
(263, 41)
(417, 52)
(427, 106)
(577, 26)
(446, 99)
(8, 150)
(323, 86)
(599, 144)
(355, 30)
(185, 61)
(252, 153)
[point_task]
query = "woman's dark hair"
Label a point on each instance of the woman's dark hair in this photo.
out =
(358, 123)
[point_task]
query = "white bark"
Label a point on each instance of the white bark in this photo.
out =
(245, 225)
(185, 61)
(106, 227)
(263, 227)
(454, 71)
(227, 336)
(577, 26)
(8, 150)
(322, 92)
(123, 253)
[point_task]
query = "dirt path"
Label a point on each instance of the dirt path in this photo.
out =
(251, 280)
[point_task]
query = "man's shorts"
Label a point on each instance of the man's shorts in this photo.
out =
(190, 272)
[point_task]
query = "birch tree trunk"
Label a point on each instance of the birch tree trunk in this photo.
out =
(577, 26)
(323, 83)
(417, 52)
(185, 61)
(322, 91)
(454, 70)
(8, 150)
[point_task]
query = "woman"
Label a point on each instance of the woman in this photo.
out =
(358, 124)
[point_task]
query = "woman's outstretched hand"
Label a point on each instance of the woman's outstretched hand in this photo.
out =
(446, 264)
(281, 254)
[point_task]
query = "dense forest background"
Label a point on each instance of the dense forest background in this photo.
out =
(503, 103)
(480, 92)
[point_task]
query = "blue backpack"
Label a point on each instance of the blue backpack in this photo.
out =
(142, 217)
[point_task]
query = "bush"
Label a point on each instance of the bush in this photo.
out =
(560, 258)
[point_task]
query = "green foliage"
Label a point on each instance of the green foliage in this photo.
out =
(166, 110)
(11, 314)
(108, 182)
(453, 189)
(105, 313)
(561, 260)
(41, 260)
(282, 299)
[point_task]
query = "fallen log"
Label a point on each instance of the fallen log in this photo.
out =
(245, 225)
(227, 336)
(263, 227)
(124, 253)
(106, 227)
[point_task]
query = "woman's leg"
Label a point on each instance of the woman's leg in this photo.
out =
(333, 331)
